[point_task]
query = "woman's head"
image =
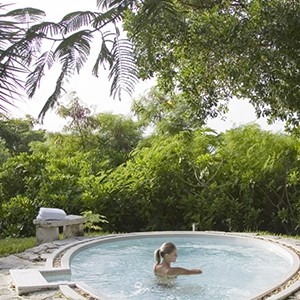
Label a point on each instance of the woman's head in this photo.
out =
(166, 250)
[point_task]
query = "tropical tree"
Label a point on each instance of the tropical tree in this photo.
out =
(167, 114)
(18, 134)
(35, 46)
(4, 152)
(258, 166)
(209, 51)
(156, 188)
(243, 179)
(108, 136)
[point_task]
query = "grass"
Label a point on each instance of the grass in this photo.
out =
(10, 245)
(296, 237)
(15, 245)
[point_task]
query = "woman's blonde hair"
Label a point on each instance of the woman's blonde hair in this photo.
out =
(165, 248)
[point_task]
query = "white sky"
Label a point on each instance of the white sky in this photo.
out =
(95, 91)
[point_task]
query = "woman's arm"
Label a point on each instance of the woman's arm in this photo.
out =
(183, 271)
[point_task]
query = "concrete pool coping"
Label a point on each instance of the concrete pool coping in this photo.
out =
(58, 263)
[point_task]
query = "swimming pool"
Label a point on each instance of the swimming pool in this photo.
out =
(120, 267)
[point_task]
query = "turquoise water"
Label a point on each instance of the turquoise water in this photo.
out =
(231, 269)
(55, 278)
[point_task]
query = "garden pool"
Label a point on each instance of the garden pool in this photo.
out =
(234, 267)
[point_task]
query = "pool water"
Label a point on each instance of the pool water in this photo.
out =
(232, 269)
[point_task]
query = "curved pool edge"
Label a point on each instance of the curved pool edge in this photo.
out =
(285, 287)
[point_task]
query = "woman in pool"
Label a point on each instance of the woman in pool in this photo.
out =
(168, 253)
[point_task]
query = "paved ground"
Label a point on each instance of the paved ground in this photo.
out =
(37, 256)
(31, 258)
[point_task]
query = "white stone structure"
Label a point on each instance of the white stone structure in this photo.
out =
(48, 230)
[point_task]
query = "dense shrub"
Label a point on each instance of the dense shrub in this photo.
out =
(241, 180)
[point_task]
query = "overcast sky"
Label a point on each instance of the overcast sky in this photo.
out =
(95, 91)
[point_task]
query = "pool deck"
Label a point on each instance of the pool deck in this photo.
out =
(27, 262)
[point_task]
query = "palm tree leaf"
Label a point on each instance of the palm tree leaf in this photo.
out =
(24, 49)
(72, 53)
(44, 28)
(10, 59)
(113, 11)
(76, 49)
(34, 78)
(104, 55)
(123, 71)
(53, 99)
(76, 20)
(10, 85)
(8, 31)
(111, 16)
(27, 15)
(120, 4)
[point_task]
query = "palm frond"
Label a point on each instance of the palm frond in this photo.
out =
(105, 4)
(8, 28)
(104, 55)
(27, 15)
(34, 78)
(9, 31)
(120, 4)
(3, 6)
(123, 71)
(111, 16)
(25, 49)
(76, 20)
(3, 99)
(9, 90)
(10, 85)
(112, 11)
(72, 53)
(53, 99)
(75, 48)
(18, 48)
(46, 28)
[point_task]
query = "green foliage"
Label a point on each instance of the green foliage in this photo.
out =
(18, 134)
(20, 174)
(205, 51)
(210, 51)
(245, 179)
(4, 152)
(93, 221)
(256, 165)
(67, 45)
(59, 171)
(15, 245)
(168, 114)
(17, 216)
(150, 191)
(108, 137)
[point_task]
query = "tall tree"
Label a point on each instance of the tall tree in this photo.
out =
(209, 51)
(17, 134)
(167, 114)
